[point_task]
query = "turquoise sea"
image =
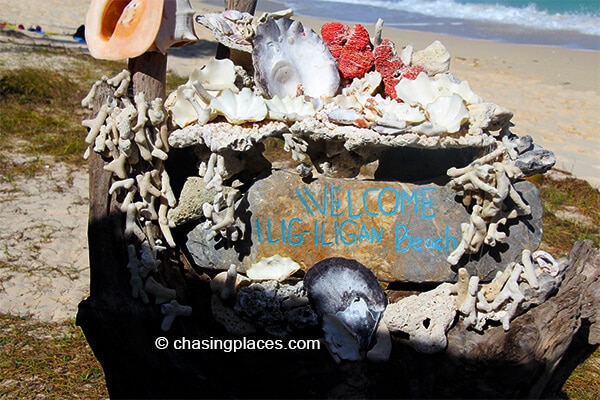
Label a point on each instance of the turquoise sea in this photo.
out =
(572, 24)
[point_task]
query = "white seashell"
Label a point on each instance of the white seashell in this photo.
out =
(364, 87)
(215, 75)
(418, 91)
(446, 85)
(177, 25)
(273, 268)
(241, 107)
(231, 28)
(424, 90)
(186, 107)
(344, 116)
(398, 115)
(449, 112)
(289, 108)
(290, 60)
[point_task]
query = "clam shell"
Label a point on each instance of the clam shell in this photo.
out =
(289, 58)
(349, 291)
(215, 75)
(241, 107)
(289, 108)
(448, 112)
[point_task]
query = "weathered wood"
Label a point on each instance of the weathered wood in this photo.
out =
(238, 57)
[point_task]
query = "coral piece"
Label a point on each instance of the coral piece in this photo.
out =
(115, 30)
(435, 58)
(382, 349)
(171, 311)
(161, 294)
(425, 318)
(133, 265)
(351, 47)
(288, 57)
(388, 63)
(231, 28)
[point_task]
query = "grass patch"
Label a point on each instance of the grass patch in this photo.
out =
(571, 213)
(41, 110)
(49, 360)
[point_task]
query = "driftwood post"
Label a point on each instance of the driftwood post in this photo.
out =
(532, 359)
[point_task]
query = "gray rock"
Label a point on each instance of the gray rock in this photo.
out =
(401, 232)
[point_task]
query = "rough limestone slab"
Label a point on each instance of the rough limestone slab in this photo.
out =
(402, 232)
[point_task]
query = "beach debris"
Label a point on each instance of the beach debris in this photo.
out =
(351, 47)
(291, 60)
(348, 298)
(115, 30)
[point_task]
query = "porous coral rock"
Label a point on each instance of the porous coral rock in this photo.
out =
(387, 62)
(193, 195)
(435, 58)
(351, 47)
(425, 318)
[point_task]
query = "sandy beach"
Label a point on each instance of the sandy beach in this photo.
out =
(553, 92)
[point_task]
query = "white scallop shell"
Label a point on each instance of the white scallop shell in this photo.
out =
(289, 108)
(424, 90)
(289, 58)
(215, 75)
(241, 107)
(398, 115)
(448, 112)
(177, 25)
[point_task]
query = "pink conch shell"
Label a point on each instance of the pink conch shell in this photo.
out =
(118, 29)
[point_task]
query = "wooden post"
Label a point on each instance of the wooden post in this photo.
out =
(238, 57)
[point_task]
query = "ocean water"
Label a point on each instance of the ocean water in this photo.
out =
(567, 23)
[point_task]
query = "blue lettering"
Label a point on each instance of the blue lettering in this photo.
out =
(269, 239)
(411, 198)
(427, 203)
(366, 203)
(450, 238)
(343, 235)
(401, 239)
(323, 242)
(298, 238)
(335, 202)
(350, 213)
(258, 238)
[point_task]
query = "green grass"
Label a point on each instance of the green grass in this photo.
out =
(40, 116)
(47, 360)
